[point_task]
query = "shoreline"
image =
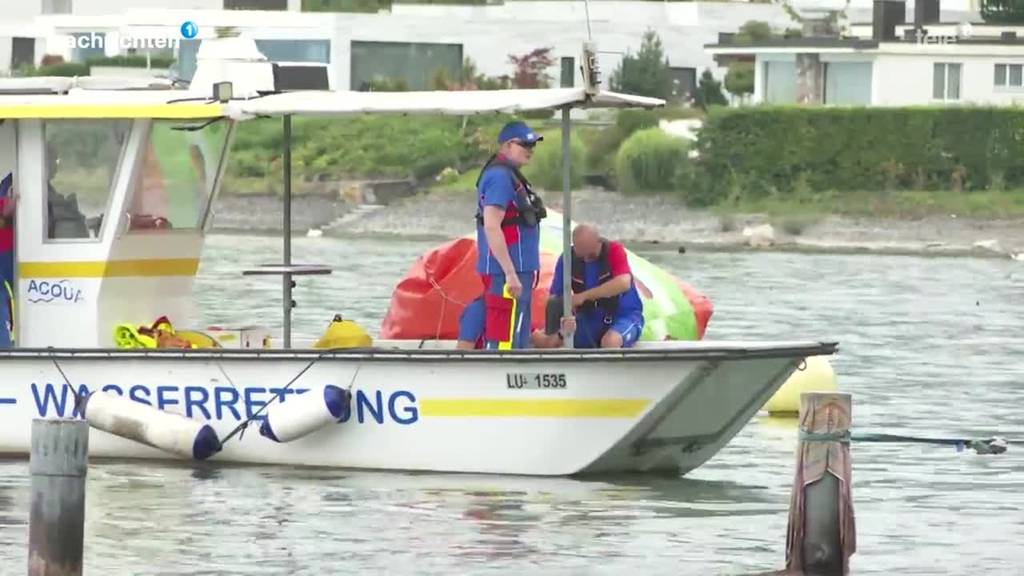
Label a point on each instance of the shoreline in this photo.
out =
(646, 222)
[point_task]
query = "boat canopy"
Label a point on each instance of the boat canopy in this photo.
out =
(340, 103)
(92, 98)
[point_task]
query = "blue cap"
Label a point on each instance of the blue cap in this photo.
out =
(518, 131)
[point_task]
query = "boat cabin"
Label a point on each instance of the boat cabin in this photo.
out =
(114, 193)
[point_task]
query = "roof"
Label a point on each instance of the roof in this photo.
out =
(794, 45)
(340, 103)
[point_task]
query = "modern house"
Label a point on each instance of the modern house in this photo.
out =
(401, 41)
(889, 62)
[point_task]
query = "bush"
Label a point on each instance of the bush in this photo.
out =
(362, 147)
(652, 161)
(68, 69)
(859, 149)
(545, 169)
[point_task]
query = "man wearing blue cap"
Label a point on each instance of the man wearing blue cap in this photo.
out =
(508, 242)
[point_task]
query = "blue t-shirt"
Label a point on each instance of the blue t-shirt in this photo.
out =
(629, 301)
(497, 188)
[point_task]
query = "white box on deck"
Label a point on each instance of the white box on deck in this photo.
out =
(247, 337)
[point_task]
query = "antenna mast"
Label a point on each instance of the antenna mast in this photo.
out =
(588, 64)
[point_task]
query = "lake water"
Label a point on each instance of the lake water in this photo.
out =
(930, 347)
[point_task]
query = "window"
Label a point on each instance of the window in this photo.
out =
(318, 51)
(88, 45)
(1009, 75)
(176, 176)
(82, 157)
(56, 7)
(568, 72)
(414, 66)
(23, 52)
(682, 82)
(848, 83)
(946, 81)
(780, 82)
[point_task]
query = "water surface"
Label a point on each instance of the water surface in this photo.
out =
(927, 346)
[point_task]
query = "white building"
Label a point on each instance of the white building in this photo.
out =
(408, 41)
(890, 63)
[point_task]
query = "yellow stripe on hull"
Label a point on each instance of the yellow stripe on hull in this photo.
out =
(110, 269)
(546, 408)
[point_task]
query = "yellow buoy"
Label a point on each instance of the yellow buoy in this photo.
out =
(816, 376)
(344, 334)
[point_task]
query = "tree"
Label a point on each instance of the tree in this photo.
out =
(740, 78)
(709, 92)
(645, 74)
(1002, 11)
(753, 31)
(530, 69)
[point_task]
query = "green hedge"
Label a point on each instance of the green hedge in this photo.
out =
(782, 151)
(364, 147)
(651, 160)
(545, 168)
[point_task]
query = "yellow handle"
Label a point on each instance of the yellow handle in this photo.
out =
(507, 344)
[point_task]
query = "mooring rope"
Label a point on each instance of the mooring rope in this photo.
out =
(74, 393)
(993, 445)
(245, 423)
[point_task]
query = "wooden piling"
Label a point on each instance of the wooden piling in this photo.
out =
(821, 535)
(58, 464)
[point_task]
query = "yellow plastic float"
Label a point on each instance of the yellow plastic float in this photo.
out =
(816, 376)
(343, 333)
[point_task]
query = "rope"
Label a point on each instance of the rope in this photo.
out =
(245, 424)
(445, 298)
(74, 393)
(994, 445)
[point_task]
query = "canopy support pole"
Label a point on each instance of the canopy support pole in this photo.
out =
(566, 225)
(287, 277)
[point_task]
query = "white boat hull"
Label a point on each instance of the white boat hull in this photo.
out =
(657, 408)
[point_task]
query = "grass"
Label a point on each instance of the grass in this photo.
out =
(900, 204)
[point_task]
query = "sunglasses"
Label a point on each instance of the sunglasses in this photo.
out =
(521, 144)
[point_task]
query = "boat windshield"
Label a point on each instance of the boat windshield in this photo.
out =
(176, 177)
(82, 157)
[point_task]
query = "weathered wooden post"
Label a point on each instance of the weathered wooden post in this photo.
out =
(821, 535)
(58, 463)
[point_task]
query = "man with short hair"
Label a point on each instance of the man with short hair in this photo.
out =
(508, 241)
(608, 309)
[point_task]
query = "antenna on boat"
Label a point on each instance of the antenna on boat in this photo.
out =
(586, 9)
(588, 62)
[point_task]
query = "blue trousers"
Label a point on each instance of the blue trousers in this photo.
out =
(5, 318)
(6, 276)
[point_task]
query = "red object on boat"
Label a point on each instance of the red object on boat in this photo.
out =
(427, 302)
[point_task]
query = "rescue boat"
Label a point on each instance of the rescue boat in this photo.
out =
(102, 252)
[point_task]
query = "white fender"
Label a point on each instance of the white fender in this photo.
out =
(297, 415)
(166, 431)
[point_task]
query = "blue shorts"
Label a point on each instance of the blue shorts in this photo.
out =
(590, 328)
